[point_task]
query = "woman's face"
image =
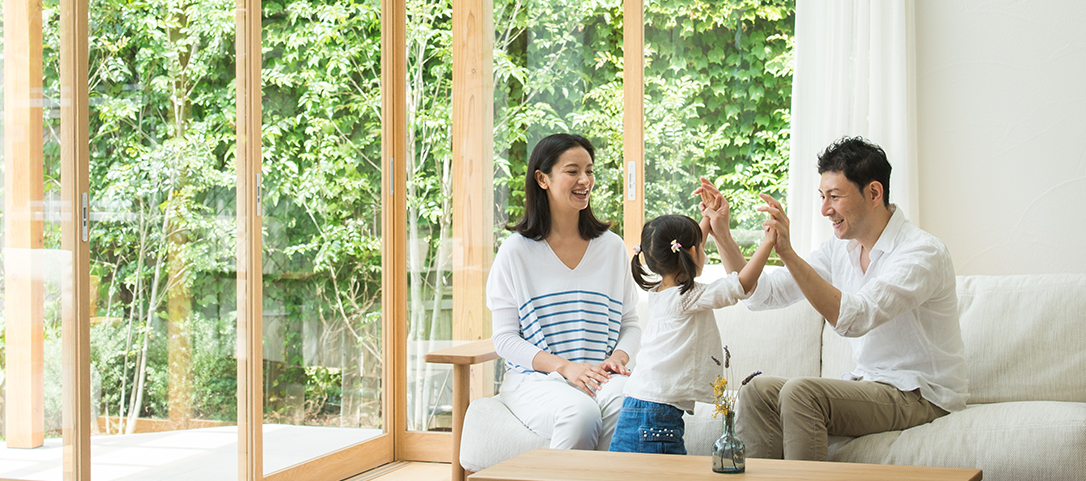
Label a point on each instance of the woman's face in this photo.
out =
(570, 182)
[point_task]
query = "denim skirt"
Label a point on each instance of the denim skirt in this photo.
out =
(648, 427)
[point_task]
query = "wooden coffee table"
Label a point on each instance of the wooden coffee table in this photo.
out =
(561, 465)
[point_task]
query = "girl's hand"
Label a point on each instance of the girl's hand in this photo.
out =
(585, 376)
(720, 220)
(714, 203)
(770, 236)
(616, 365)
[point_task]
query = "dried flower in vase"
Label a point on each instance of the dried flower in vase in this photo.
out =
(724, 400)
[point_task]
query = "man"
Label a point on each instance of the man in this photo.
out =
(885, 285)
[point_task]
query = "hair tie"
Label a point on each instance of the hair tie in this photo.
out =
(637, 250)
(676, 246)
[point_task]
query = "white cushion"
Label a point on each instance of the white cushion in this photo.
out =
(778, 342)
(492, 434)
(836, 354)
(701, 430)
(1024, 337)
(1035, 440)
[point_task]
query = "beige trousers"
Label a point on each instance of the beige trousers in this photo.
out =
(790, 418)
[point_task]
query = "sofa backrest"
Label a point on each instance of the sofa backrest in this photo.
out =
(1025, 337)
(781, 342)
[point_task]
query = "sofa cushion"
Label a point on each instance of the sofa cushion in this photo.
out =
(1024, 337)
(492, 434)
(779, 342)
(701, 430)
(836, 354)
(1037, 440)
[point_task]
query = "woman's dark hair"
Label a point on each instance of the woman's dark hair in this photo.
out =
(656, 238)
(861, 161)
(536, 223)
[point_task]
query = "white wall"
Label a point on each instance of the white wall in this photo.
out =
(1001, 131)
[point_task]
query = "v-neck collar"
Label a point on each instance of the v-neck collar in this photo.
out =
(580, 262)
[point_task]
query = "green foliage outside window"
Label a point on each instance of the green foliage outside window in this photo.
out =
(717, 85)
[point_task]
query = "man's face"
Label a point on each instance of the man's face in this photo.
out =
(844, 205)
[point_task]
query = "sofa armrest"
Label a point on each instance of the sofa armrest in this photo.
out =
(462, 357)
(470, 353)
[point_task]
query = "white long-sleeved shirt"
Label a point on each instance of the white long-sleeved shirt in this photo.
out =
(676, 364)
(539, 304)
(901, 316)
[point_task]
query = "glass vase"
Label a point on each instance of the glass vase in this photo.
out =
(729, 454)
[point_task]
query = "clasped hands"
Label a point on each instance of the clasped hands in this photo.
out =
(591, 378)
(715, 208)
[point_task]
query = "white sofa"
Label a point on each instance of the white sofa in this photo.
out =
(1025, 341)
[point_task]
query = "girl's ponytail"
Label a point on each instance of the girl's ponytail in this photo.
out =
(638, 271)
(688, 270)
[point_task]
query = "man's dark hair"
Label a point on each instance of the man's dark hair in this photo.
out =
(536, 223)
(860, 160)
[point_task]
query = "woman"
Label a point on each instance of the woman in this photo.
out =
(563, 304)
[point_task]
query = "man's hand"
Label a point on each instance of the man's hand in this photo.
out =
(585, 376)
(778, 222)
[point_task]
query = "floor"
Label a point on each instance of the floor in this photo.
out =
(407, 471)
(208, 454)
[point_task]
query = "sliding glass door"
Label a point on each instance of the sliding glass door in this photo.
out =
(323, 355)
(163, 239)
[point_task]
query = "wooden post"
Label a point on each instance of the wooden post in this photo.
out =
(75, 238)
(473, 177)
(250, 290)
(25, 415)
(633, 120)
(473, 195)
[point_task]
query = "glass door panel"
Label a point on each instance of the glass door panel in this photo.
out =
(429, 221)
(557, 68)
(163, 239)
(718, 87)
(323, 356)
(33, 262)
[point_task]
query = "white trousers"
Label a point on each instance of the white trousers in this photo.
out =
(554, 409)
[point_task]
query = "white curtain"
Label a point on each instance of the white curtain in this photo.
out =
(853, 76)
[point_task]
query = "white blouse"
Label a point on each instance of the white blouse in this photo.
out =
(681, 344)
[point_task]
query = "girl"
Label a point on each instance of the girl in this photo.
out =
(563, 304)
(682, 349)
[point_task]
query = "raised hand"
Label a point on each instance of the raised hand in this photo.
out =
(715, 207)
(778, 223)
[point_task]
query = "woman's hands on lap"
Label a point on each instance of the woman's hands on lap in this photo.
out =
(591, 378)
(587, 377)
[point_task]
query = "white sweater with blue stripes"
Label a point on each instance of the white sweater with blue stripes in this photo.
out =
(540, 304)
